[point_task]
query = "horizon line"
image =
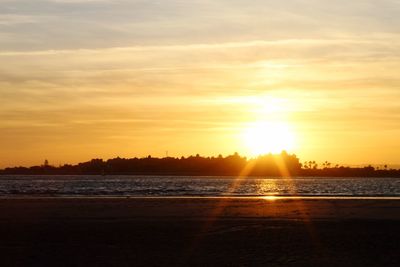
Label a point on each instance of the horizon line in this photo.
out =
(254, 157)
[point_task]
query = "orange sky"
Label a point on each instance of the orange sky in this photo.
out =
(86, 79)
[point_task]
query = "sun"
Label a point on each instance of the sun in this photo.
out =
(268, 137)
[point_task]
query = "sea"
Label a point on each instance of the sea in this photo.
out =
(193, 186)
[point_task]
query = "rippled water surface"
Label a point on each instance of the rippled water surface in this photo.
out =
(194, 186)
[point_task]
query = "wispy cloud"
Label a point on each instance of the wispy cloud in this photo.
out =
(12, 19)
(94, 24)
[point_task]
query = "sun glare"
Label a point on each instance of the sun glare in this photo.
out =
(268, 137)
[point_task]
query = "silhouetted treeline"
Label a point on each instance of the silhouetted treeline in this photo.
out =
(283, 164)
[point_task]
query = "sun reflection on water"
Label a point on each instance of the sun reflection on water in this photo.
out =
(267, 186)
(270, 198)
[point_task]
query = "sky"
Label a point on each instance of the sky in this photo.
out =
(82, 79)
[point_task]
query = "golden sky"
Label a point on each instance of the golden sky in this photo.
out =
(82, 79)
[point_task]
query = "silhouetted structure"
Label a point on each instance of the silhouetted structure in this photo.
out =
(282, 164)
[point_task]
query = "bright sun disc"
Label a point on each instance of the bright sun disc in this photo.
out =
(268, 137)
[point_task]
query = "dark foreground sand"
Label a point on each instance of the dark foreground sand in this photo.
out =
(199, 232)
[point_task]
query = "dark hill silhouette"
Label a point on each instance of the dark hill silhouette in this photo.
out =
(282, 164)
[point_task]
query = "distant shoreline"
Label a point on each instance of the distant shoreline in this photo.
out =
(270, 165)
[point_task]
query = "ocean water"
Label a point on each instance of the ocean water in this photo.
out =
(154, 186)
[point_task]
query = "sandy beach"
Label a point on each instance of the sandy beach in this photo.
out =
(199, 232)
